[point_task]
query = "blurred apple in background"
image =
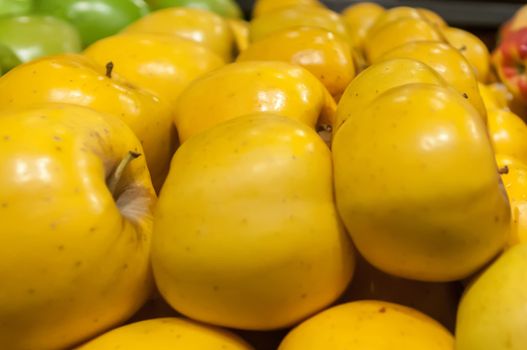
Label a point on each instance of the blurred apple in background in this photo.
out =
(519, 20)
(326, 55)
(95, 19)
(15, 7)
(510, 62)
(240, 29)
(360, 18)
(296, 16)
(35, 36)
(203, 27)
(225, 8)
(8, 59)
(473, 48)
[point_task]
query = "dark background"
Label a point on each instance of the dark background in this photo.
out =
(482, 18)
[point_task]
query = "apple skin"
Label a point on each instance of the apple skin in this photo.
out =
(453, 235)
(75, 256)
(34, 36)
(519, 20)
(243, 88)
(167, 333)
(503, 31)
(15, 7)
(225, 8)
(75, 79)
(247, 234)
(198, 25)
(95, 19)
(510, 61)
(163, 64)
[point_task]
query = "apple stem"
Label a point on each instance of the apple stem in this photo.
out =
(116, 175)
(504, 170)
(109, 69)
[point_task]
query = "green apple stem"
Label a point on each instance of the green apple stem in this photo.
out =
(109, 69)
(114, 178)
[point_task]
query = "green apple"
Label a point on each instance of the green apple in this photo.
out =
(34, 36)
(225, 8)
(95, 19)
(491, 315)
(8, 59)
(15, 7)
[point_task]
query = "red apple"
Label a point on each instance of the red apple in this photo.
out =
(510, 61)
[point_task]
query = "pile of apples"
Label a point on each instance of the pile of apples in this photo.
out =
(30, 29)
(307, 180)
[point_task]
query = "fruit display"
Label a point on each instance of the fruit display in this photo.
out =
(203, 27)
(324, 54)
(243, 88)
(94, 19)
(449, 63)
(165, 65)
(174, 175)
(76, 79)
(291, 17)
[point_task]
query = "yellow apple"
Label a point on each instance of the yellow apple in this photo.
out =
(76, 226)
(417, 185)
(397, 33)
(167, 334)
(164, 65)
(262, 7)
(491, 99)
(449, 63)
(240, 30)
(325, 54)
(514, 177)
(399, 12)
(491, 314)
(76, 79)
(369, 325)
(247, 234)
(474, 50)
(379, 78)
(296, 16)
(519, 20)
(204, 27)
(246, 87)
(508, 134)
(432, 17)
(359, 18)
